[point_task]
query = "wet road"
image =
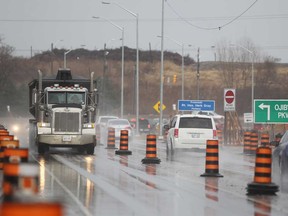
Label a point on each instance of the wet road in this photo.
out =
(110, 184)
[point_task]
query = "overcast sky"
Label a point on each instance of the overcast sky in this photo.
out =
(38, 23)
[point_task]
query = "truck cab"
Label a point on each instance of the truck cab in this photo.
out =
(64, 113)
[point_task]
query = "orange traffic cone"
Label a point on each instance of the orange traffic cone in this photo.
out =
(9, 143)
(4, 132)
(111, 138)
(262, 178)
(253, 142)
(151, 150)
(20, 179)
(16, 155)
(247, 145)
(220, 136)
(6, 137)
(212, 164)
(264, 139)
(1, 158)
(123, 144)
(31, 208)
(6, 144)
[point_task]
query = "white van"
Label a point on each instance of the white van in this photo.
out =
(190, 131)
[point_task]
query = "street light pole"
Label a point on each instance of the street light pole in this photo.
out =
(137, 60)
(65, 53)
(198, 74)
(122, 64)
(161, 73)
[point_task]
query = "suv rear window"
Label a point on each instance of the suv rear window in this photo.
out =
(195, 122)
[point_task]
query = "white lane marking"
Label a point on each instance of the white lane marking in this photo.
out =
(110, 189)
(74, 198)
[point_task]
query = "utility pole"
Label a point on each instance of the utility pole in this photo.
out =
(31, 52)
(104, 79)
(52, 58)
(198, 75)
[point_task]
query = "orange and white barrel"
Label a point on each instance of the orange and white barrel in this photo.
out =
(16, 155)
(20, 179)
(6, 137)
(9, 144)
(31, 208)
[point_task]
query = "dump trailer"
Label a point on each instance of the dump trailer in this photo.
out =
(64, 111)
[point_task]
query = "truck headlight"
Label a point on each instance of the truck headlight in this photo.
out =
(43, 124)
(88, 125)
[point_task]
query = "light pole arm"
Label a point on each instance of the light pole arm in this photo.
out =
(112, 23)
(134, 14)
(65, 57)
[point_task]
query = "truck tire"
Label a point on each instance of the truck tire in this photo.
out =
(90, 149)
(42, 148)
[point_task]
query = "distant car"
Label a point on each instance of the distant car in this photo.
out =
(259, 127)
(101, 128)
(118, 125)
(190, 131)
(144, 126)
(280, 155)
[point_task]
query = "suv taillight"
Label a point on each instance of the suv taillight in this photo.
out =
(176, 133)
(214, 134)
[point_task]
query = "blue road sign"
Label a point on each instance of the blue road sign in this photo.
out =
(189, 105)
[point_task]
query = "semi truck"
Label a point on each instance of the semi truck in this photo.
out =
(64, 111)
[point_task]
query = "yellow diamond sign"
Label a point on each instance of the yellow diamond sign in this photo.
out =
(157, 107)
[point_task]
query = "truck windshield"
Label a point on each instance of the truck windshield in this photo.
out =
(66, 97)
(76, 97)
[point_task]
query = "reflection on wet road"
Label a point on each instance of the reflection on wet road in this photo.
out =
(111, 184)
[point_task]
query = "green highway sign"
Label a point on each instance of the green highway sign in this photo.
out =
(271, 111)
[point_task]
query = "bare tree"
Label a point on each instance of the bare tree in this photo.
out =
(266, 76)
(227, 59)
(236, 60)
(5, 63)
(6, 67)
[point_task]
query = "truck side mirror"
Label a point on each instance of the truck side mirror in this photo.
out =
(34, 97)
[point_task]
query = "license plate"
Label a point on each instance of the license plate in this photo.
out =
(66, 138)
(195, 135)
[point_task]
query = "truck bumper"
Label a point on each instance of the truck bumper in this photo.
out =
(66, 140)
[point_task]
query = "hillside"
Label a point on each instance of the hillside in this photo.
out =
(211, 80)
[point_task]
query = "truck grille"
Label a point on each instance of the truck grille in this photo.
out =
(67, 122)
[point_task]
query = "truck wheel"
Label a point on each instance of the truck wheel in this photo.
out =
(42, 148)
(81, 149)
(90, 149)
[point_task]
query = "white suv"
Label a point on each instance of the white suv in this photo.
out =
(190, 131)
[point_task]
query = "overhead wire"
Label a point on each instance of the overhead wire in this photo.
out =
(253, 17)
(211, 28)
